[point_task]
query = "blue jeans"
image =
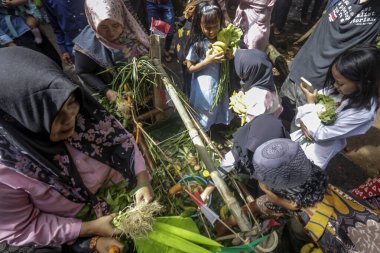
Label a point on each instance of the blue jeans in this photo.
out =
(164, 12)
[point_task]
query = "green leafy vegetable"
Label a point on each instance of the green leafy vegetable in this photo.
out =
(230, 36)
(327, 113)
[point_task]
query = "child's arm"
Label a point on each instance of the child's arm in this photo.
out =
(210, 59)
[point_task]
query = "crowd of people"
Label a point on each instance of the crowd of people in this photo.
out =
(58, 145)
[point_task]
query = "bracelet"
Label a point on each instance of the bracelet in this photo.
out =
(92, 244)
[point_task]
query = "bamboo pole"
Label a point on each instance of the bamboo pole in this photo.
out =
(155, 53)
(146, 154)
(222, 187)
(204, 135)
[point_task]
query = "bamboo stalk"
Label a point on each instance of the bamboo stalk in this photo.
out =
(140, 141)
(222, 187)
(138, 132)
(155, 53)
(146, 154)
(204, 135)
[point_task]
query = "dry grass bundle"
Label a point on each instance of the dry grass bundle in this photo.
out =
(136, 221)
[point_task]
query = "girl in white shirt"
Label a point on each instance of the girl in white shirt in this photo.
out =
(353, 82)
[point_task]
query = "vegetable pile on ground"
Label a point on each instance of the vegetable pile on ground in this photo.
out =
(177, 170)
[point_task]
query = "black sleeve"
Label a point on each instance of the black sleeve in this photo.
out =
(88, 70)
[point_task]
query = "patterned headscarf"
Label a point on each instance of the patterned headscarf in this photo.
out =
(281, 164)
(190, 9)
(100, 10)
(29, 102)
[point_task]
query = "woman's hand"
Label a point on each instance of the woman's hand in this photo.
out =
(145, 194)
(101, 227)
(104, 244)
(311, 97)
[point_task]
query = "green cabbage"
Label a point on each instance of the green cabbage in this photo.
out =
(327, 114)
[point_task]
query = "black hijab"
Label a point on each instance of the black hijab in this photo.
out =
(33, 90)
(247, 138)
(254, 69)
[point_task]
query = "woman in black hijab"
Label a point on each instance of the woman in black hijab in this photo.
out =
(255, 72)
(247, 138)
(57, 147)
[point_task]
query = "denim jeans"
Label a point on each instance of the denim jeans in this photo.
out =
(165, 12)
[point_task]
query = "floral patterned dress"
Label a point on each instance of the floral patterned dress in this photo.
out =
(341, 224)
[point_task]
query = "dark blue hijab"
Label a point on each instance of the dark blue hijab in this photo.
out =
(254, 69)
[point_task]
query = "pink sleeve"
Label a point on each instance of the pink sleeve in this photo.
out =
(23, 224)
(139, 159)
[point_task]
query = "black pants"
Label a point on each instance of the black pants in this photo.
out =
(315, 11)
(280, 13)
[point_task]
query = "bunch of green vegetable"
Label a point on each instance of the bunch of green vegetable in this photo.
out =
(229, 36)
(135, 78)
(238, 103)
(173, 238)
(136, 221)
(326, 109)
(134, 81)
(115, 195)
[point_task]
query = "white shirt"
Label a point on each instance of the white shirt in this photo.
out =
(330, 139)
